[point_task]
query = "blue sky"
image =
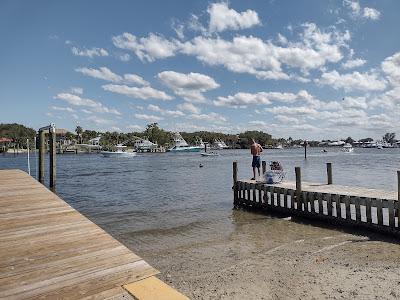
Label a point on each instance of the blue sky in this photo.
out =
(305, 69)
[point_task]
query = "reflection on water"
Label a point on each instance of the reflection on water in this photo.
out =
(165, 201)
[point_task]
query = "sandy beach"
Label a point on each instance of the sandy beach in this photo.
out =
(270, 258)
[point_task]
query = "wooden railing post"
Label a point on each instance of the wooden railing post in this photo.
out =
(52, 156)
(42, 150)
(264, 166)
(298, 186)
(235, 184)
(329, 172)
(235, 170)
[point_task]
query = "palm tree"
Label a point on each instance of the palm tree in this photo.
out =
(79, 131)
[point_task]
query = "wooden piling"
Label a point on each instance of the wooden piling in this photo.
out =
(264, 166)
(42, 150)
(298, 186)
(329, 172)
(305, 149)
(52, 156)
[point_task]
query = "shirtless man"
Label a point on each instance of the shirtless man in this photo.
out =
(256, 150)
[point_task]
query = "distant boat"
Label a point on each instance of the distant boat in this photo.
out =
(219, 145)
(180, 145)
(278, 147)
(121, 151)
(348, 148)
(337, 143)
(144, 145)
(209, 153)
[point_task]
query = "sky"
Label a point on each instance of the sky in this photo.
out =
(302, 69)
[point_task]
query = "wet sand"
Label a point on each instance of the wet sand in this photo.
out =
(275, 258)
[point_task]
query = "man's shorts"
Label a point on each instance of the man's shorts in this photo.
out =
(256, 162)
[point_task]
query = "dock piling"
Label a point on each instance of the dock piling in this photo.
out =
(264, 166)
(52, 133)
(298, 186)
(329, 172)
(41, 156)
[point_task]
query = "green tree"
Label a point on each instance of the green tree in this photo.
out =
(18, 133)
(79, 131)
(389, 137)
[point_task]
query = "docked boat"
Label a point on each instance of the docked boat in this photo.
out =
(348, 148)
(143, 145)
(219, 145)
(180, 145)
(120, 151)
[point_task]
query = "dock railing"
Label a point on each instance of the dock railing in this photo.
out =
(342, 204)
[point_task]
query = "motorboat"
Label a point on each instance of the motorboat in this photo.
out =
(209, 153)
(180, 145)
(347, 148)
(120, 151)
(280, 147)
(219, 145)
(143, 145)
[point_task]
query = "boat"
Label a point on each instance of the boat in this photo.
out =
(209, 153)
(143, 145)
(120, 151)
(180, 145)
(348, 148)
(219, 145)
(278, 147)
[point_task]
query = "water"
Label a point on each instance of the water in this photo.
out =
(160, 201)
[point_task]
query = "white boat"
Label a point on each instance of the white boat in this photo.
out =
(144, 145)
(180, 145)
(348, 148)
(278, 147)
(209, 153)
(121, 151)
(219, 145)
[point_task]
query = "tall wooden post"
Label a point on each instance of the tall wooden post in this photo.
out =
(52, 156)
(42, 150)
(329, 172)
(305, 149)
(298, 186)
(235, 177)
(264, 166)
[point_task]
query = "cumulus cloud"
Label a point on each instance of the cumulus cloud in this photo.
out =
(89, 52)
(189, 107)
(106, 74)
(262, 98)
(137, 92)
(391, 68)
(210, 117)
(358, 12)
(223, 18)
(59, 108)
(353, 63)
(165, 112)
(188, 86)
(147, 48)
(352, 81)
(148, 118)
(76, 90)
(79, 101)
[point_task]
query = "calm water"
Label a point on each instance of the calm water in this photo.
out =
(159, 201)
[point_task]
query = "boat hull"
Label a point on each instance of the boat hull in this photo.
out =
(188, 149)
(117, 154)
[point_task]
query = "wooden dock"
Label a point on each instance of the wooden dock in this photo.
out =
(48, 250)
(349, 205)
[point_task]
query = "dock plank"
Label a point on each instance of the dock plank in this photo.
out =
(49, 250)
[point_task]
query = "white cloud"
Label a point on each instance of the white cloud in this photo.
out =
(137, 92)
(353, 63)
(165, 112)
(149, 118)
(98, 121)
(391, 67)
(59, 108)
(134, 127)
(262, 98)
(136, 79)
(76, 90)
(210, 117)
(79, 101)
(188, 86)
(89, 52)
(352, 81)
(358, 12)
(223, 18)
(101, 73)
(371, 13)
(146, 48)
(123, 57)
(189, 107)
(106, 74)
(356, 103)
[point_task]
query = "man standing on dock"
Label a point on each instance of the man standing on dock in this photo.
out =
(256, 150)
